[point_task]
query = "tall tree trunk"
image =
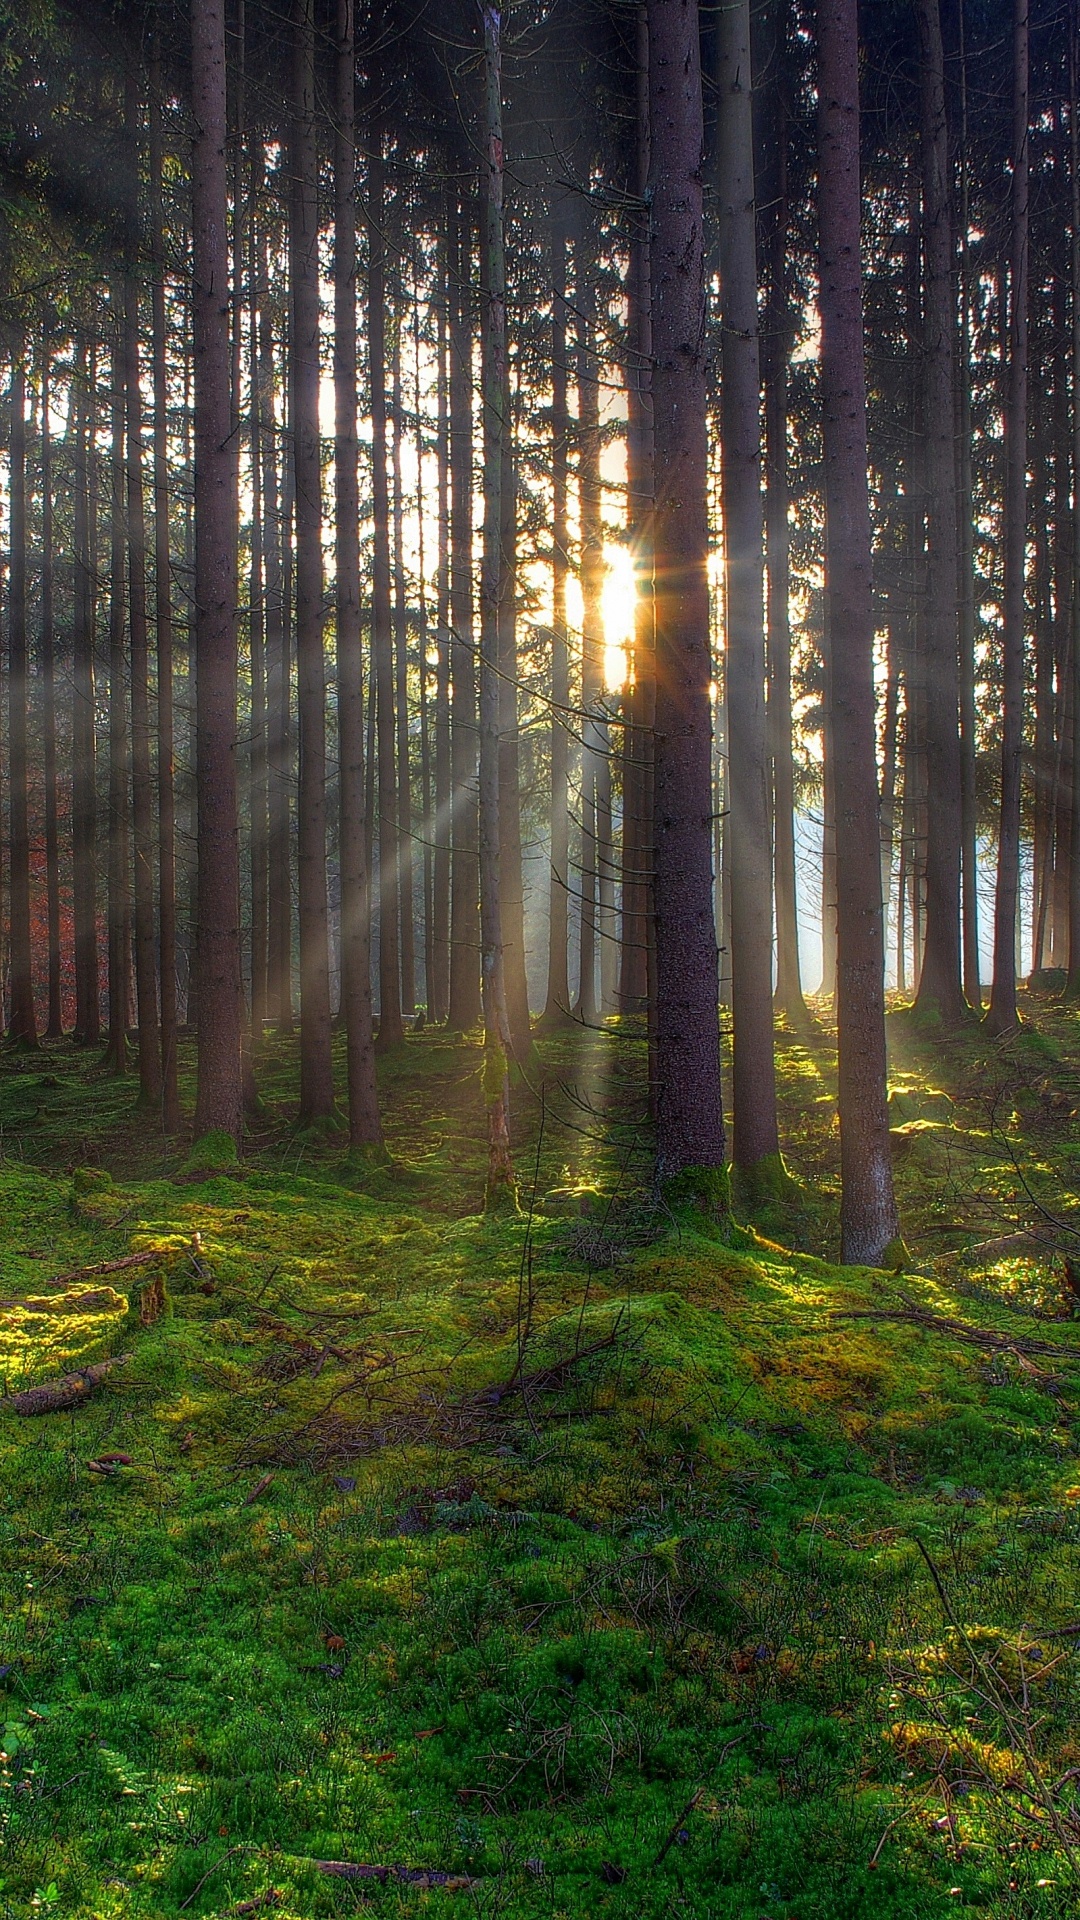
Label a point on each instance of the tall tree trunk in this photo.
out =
(868, 1221)
(83, 719)
(261, 424)
(163, 624)
(55, 1024)
(557, 1003)
(593, 731)
(404, 812)
(1073, 988)
(365, 1126)
(22, 1024)
(391, 1027)
(1001, 1017)
(637, 734)
(275, 534)
(439, 983)
(464, 872)
(142, 793)
(969, 905)
(316, 1066)
(776, 347)
(500, 1188)
(511, 887)
(756, 1141)
(219, 1098)
(689, 1107)
(940, 991)
(116, 1046)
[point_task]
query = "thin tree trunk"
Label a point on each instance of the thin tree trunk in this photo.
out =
(391, 1027)
(219, 1099)
(940, 990)
(868, 1220)
(116, 1046)
(404, 815)
(55, 1024)
(1001, 1017)
(637, 734)
(756, 1141)
(83, 723)
(969, 906)
(316, 1066)
(1073, 988)
(261, 424)
(275, 534)
(365, 1126)
(511, 889)
(142, 793)
(439, 983)
(689, 1108)
(163, 623)
(22, 1023)
(557, 1003)
(593, 738)
(464, 872)
(500, 1188)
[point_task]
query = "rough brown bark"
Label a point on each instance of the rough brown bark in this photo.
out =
(439, 983)
(464, 1009)
(1001, 1016)
(940, 990)
(55, 1018)
(557, 1003)
(587, 1006)
(404, 810)
(22, 1023)
(690, 1126)
(119, 896)
(316, 1066)
(83, 729)
(756, 1140)
(966, 588)
(163, 625)
(261, 424)
(365, 1126)
(219, 1099)
(868, 1219)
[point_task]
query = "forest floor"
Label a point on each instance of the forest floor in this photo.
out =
(596, 1563)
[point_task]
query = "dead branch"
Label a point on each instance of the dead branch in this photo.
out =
(422, 1877)
(912, 1314)
(59, 1396)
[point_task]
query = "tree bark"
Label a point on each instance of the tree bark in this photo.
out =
(464, 872)
(868, 1220)
(591, 567)
(83, 723)
(262, 423)
(219, 1098)
(439, 983)
(55, 1022)
(1001, 1016)
(756, 1141)
(163, 624)
(969, 906)
(22, 1024)
(940, 990)
(500, 1189)
(404, 813)
(365, 1126)
(116, 1045)
(557, 1003)
(316, 1066)
(690, 1126)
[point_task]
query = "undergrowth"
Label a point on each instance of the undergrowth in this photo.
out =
(604, 1567)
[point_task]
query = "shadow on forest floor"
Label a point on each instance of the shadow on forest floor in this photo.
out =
(599, 1565)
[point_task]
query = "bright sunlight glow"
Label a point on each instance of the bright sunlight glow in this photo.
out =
(619, 602)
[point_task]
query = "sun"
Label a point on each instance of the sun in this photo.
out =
(618, 607)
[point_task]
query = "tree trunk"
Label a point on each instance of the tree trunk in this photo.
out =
(756, 1141)
(511, 888)
(1073, 988)
(500, 1188)
(163, 623)
(464, 872)
(55, 1024)
(969, 905)
(1001, 1016)
(142, 793)
(776, 347)
(262, 423)
(439, 983)
(404, 813)
(640, 699)
(22, 1024)
(689, 1107)
(116, 1046)
(278, 782)
(940, 991)
(83, 719)
(391, 1027)
(365, 1126)
(868, 1221)
(316, 1066)
(594, 730)
(557, 1003)
(219, 1098)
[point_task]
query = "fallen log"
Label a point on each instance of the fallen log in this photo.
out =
(77, 1275)
(59, 1396)
(422, 1877)
(91, 1302)
(914, 1315)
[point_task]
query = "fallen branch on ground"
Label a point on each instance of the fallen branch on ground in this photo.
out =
(915, 1315)
(421, 1877)
(59, 1396)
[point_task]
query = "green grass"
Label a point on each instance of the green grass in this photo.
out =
(675, 1596)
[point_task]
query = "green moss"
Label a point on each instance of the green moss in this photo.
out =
(213, 1152)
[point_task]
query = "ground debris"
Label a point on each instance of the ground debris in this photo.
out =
(59, 1396)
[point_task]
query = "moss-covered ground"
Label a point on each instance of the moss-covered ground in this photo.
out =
(608, 1568)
